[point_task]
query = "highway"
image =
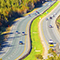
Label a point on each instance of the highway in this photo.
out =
(50, 33)
(15, 50)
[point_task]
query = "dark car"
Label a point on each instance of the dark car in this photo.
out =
(29, 15)
(23, 33)
(47, 18)
(51, 43)
(50, 17)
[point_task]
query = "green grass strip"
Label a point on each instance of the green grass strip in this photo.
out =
(58, 21)
(37, 47)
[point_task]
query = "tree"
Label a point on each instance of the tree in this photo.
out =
(39, 56)
(50, 58)
(50, 50)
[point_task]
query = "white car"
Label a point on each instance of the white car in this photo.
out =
(51, 16)
(50, 41)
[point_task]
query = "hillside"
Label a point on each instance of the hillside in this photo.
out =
(15, 8)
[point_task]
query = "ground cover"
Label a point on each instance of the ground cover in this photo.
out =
(37, 47)
(58, 21)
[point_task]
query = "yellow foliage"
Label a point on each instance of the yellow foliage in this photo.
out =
(0, 58)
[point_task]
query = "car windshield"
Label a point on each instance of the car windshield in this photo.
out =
(51, 43)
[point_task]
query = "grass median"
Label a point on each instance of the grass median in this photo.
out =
(37, 47)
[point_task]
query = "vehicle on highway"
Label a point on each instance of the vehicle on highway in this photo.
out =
(37, 12)
(20, 42)
(54, 13)
(23, 33)
(29, 15)
(51, 44)
(47, 18)
(50, 26)
(17, 32)
(51, 16)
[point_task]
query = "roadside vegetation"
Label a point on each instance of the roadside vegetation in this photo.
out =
(52, 55)
(58, 19)
(37, 47)
(58, 23)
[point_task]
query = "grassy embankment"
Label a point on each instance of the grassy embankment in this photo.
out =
(37, 47)
(58, 21)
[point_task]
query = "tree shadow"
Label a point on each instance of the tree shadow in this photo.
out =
(8, 33)
(14, 37)
(38, 4)
(5, 44)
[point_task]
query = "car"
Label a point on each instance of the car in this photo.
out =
(20, 42)
(50, 41)
(47, 18)
(23, 33)
(17, 32)
(50, 17)
(51, 45)
(50, 26)
(29, 15)
(54, 13)
(54, 44)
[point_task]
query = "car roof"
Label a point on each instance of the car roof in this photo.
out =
(49, 25)
(50, 40)
(20, 41)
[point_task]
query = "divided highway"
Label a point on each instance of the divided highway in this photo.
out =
(50, 33)
(14, 49)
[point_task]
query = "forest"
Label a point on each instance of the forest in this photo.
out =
(14, 8)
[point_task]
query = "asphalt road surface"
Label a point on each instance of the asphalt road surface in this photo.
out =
(51, 33)
(14, 49)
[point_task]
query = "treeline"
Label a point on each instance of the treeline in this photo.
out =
(14, 8)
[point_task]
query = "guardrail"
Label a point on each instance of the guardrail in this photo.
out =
(30, 32)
